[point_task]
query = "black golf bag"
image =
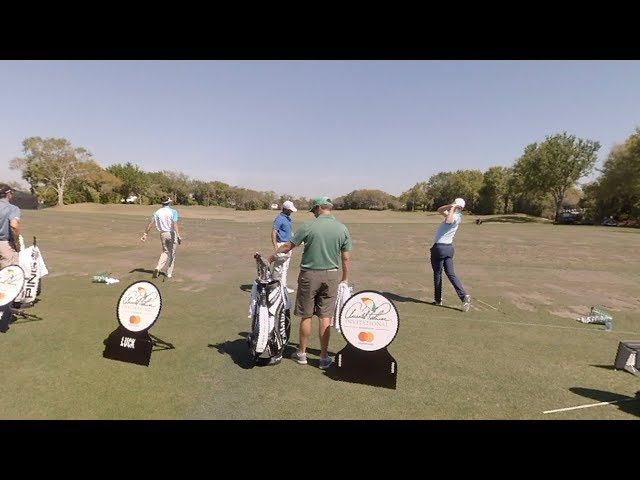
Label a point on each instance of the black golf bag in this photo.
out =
(270, 317)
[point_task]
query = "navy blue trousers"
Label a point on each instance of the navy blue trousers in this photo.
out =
(442, 258)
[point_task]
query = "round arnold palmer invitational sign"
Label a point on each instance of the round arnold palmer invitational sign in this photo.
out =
(369, 321)
(11, 283)
(139, 306)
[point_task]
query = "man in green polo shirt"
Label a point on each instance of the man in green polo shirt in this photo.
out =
(327, 243)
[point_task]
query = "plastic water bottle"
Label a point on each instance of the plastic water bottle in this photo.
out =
(608, 324)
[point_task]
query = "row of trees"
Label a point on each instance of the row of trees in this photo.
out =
(617, 190)
(58, 173)
(542, 182)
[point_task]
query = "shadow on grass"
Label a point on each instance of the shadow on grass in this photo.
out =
(625, 403)
(159, 344)
(606, 367)
(238, 350)
(162, 275)
(20, 317)
(142, 270)
(18, 314)
(457, 309)
(400, 298)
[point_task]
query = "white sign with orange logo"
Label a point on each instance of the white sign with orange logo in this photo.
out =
(11, 283)
(369, 321)
(139, 306)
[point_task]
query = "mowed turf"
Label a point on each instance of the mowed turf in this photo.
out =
(517, 353)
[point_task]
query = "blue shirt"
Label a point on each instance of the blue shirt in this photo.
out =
(282, 225)
(446, 231)
(8, 212)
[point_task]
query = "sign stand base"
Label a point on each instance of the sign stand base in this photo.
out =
(127, 346)
(161, 344)
(19, 313)
(377, 368)
(628, 357)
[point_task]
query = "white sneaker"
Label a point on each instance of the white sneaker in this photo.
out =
(466, 303)
(290, 290)
(169, 275)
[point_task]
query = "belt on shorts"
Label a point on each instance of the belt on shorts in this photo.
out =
(450, 244)
(319, 270)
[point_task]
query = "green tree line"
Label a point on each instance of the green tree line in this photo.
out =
(542, 181)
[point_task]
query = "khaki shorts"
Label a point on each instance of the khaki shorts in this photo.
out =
(8, 256)
(317, 292)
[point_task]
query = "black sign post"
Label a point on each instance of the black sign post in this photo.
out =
(138, 309)
(126, 346)
(369, 322)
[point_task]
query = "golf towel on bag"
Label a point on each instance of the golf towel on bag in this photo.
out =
(270, 317)
(344, 293)
(31, 262)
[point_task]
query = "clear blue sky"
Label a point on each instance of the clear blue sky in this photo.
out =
(314, 127)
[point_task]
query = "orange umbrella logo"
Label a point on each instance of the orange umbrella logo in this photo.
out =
(369, 303)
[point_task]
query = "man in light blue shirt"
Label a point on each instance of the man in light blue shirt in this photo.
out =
(165, 220)
(442, 253)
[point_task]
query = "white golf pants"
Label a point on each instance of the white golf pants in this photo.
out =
(280, 266)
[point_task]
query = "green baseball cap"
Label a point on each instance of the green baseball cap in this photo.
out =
(320, 201)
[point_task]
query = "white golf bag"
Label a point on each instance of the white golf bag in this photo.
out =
(270, 317)
(30, 260)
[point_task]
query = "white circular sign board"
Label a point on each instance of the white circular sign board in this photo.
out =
(11, 283)
(139, 306)
(369, 321)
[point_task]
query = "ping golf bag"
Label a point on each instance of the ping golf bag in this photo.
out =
(270, 317)
(31, 262)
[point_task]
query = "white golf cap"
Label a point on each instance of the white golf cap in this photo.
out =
(460, 202)
(289, 206)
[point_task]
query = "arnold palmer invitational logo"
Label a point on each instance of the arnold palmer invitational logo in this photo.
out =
(369, 321)
(139, 306)
(11, 283)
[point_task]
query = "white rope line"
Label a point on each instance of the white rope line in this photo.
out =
(467, 316)
(484, 303)
(589, 405)
(582, 329)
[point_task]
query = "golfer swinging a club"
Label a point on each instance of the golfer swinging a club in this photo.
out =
(442, 253)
